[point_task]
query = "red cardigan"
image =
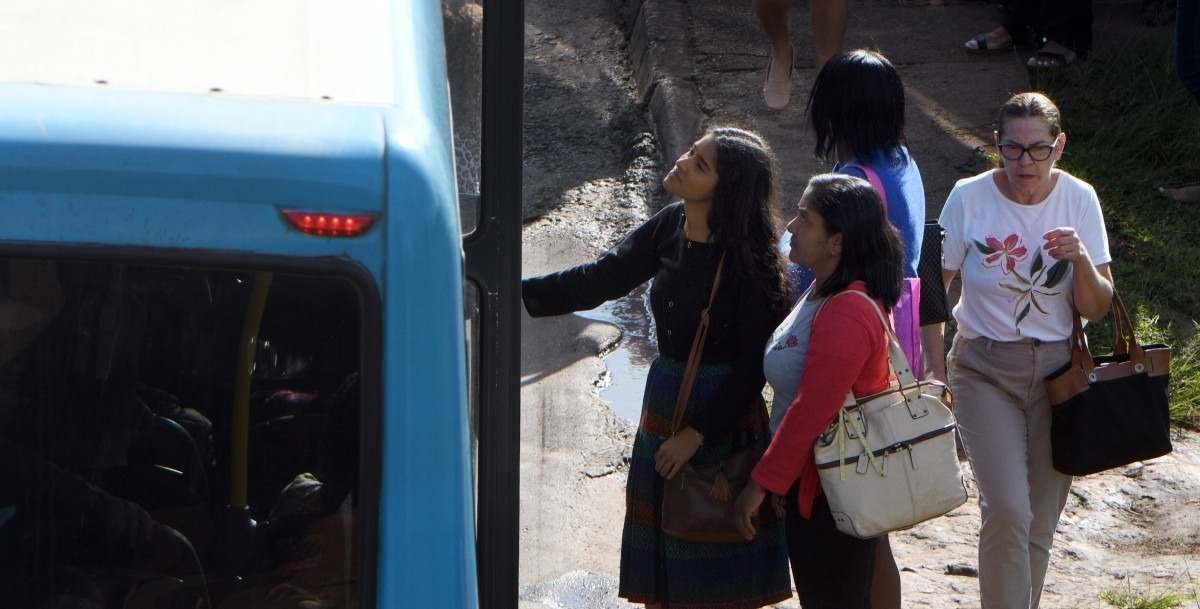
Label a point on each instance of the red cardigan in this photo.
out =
(847, 348)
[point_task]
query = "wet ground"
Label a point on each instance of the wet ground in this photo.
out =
(591, 173)
(590, 176)
(626, 365)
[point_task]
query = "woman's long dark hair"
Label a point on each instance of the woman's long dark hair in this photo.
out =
(857, 98)
(871, 248)
(742, 217)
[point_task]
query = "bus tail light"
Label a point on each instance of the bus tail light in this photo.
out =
(330, 225)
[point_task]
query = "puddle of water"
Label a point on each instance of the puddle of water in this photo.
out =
(576, 590)
(628, 363)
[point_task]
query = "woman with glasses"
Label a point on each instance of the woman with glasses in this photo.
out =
(1029, 242)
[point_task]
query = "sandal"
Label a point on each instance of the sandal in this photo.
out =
(778, 94)
(979, 45)
(1052, 55)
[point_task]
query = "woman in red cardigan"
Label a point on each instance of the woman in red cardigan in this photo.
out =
(842, 233)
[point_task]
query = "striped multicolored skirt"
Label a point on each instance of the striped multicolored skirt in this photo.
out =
(659, 569)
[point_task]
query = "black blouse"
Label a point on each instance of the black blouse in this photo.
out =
(741, 321)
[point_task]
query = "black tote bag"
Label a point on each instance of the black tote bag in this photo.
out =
(1112, 410)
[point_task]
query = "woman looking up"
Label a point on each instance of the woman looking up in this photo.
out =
(727, 185)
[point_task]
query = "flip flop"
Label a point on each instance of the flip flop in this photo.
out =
(981, 45)
(1049, 60)
(778, 95)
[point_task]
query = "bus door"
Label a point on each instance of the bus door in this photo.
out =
(485, 56)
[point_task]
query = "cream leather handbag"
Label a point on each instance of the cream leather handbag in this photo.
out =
(888, 461)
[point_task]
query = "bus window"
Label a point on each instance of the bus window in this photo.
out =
(463, 22)
(181, 436)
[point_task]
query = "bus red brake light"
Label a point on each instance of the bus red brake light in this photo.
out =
(330, 225)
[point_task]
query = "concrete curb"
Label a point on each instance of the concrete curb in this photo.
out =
(663, 68)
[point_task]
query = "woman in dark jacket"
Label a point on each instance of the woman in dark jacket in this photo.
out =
(727, 185)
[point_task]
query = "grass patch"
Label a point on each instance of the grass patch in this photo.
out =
(1131, 128)
(1130, 600)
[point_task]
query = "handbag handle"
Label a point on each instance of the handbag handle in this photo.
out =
(1124, 338)
(897, 361)
(693, 363)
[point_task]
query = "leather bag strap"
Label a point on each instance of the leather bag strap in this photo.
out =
(897, 361)
(1124, 338)
(693, 363)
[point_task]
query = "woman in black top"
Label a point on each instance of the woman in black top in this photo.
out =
(727, 184)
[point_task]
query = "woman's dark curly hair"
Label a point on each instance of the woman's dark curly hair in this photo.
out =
(742, 218)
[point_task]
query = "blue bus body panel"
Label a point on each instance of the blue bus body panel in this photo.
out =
(111, 168)
(427, 523)
(202, 174)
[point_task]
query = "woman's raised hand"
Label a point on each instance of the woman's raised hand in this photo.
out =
(1063, 243)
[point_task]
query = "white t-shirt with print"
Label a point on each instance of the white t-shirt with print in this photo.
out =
(1011, 288)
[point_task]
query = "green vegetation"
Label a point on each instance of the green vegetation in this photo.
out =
(1132, 127)
(1129, 600)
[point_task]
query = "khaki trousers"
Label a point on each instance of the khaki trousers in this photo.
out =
(1004, 420)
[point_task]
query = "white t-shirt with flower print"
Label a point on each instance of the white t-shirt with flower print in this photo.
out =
(1012, 289)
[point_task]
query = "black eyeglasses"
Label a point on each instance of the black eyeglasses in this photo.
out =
(1037, 152)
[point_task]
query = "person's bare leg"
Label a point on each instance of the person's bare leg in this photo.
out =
(777, 84)
(996, 40)
(829, 28)
(773, 15)
(885, 583)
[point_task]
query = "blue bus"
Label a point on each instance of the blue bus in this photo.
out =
(233, 349)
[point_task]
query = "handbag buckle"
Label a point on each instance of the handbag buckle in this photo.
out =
(862, 424)
(864, 464)
(910, 401)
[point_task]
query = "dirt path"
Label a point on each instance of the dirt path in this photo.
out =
(1131, 529)
(591, 176)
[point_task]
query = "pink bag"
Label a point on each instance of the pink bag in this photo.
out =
(906, 316)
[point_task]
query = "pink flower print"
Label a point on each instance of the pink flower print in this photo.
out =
(792, 342)
(1004, 254)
